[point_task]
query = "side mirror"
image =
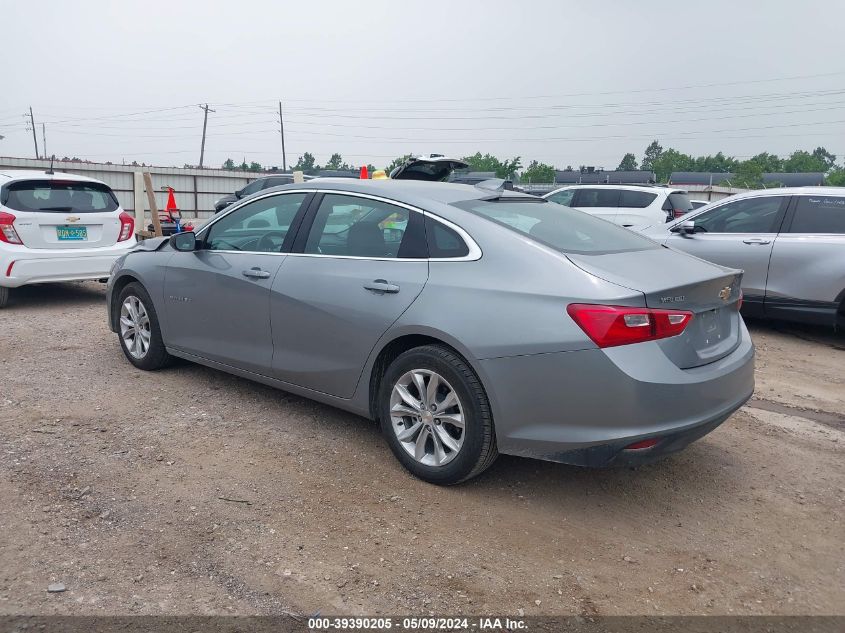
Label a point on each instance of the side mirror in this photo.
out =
(184, 242)
(688, 227)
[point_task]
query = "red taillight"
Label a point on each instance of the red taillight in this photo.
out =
(638, 446)
(8, 233)
(127, 226)
(609, 326)
(679, 212)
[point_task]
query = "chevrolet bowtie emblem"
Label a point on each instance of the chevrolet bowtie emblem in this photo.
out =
(72, 218)
(725, 293)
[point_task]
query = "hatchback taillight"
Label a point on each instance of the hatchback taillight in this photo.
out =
(679, 212)
(127, 226)
(8, 233)
(610, 326)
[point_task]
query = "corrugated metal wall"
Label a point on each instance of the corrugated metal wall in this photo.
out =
(196, 189)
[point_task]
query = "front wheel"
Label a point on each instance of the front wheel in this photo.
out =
(436, 416)
(140, 335)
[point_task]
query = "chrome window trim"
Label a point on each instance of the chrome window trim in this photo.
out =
(474, 254)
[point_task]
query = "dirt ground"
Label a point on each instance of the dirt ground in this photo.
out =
(189, 491)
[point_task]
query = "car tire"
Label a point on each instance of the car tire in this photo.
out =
(451, 453)
(4, 296)
(145, 325)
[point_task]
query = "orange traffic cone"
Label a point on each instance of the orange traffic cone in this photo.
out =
(364, 175)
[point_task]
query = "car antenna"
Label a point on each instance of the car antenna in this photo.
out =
(50, 171)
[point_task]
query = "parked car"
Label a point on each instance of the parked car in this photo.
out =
(58, 227)
(697, 204)
(468, 322)
(255, 186)
(790, 242)
(631, 206)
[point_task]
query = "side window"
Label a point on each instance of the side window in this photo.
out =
(751, 215)
(819, 214)
(563, 197)
(597, 198)
(349, 226)
(259, 226)
(636, 199)
(255, 185)
(443, 242)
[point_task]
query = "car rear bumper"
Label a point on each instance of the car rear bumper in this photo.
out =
(19, 267)
(586, 407)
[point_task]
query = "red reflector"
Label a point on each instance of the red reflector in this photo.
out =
(9, 269)
(636, 446)
(609, 326)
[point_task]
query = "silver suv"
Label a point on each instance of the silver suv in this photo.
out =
(790, 242)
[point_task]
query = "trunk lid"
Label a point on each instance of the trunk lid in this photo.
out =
(669, 280)
(51, 213)
(434, 168)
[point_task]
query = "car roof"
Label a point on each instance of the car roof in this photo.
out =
(12, 175)
(413, 192)
(788, 191)
(612, 185)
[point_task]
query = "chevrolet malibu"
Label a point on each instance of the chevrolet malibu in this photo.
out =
(467, 322)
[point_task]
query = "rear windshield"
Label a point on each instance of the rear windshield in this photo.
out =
(677, 201)
(562, 228)
(58, 196)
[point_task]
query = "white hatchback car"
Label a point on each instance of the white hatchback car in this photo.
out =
(58, 227)
(632, 206)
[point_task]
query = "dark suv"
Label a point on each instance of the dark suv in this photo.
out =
(256, 185)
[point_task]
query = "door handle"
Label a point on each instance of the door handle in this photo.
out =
(256, 273)
(756, 240)
(382, 286)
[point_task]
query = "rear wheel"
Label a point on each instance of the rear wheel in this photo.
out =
(4, 296)
(436, 416)
(140, 335)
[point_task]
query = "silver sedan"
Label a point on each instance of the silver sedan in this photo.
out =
(468, 322)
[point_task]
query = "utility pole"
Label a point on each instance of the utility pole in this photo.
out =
(34, 137)
(282, 130)
(205, 110)
(44, 139)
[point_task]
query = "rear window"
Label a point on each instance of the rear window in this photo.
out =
(562, 228)
(677, 201)
(596, 198)
(58, 196)
(636, 199)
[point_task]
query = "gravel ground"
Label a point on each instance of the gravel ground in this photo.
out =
(189, 491)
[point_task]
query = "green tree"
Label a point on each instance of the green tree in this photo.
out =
(718, 163)
(671, 160)
(229, 164)
(801, 161)
(538, 172)
(836, 177)
(253, 166)
(509, 167)
(652, 153)
(767, 162)
(488, 162)
(244, 166)
(822, 155)
(748, 175)
(334, 162)
(306, 163)
(628, 163)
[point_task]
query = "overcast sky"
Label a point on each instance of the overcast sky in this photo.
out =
(567, 83)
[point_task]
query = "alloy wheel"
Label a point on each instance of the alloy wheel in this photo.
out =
(135, 327)
(427, 417)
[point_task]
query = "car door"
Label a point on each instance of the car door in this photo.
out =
(599, 201)
(740, 234)
(807, 269)
(218, 297)
(357, 265)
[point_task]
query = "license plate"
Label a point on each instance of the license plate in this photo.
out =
(72, 233)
